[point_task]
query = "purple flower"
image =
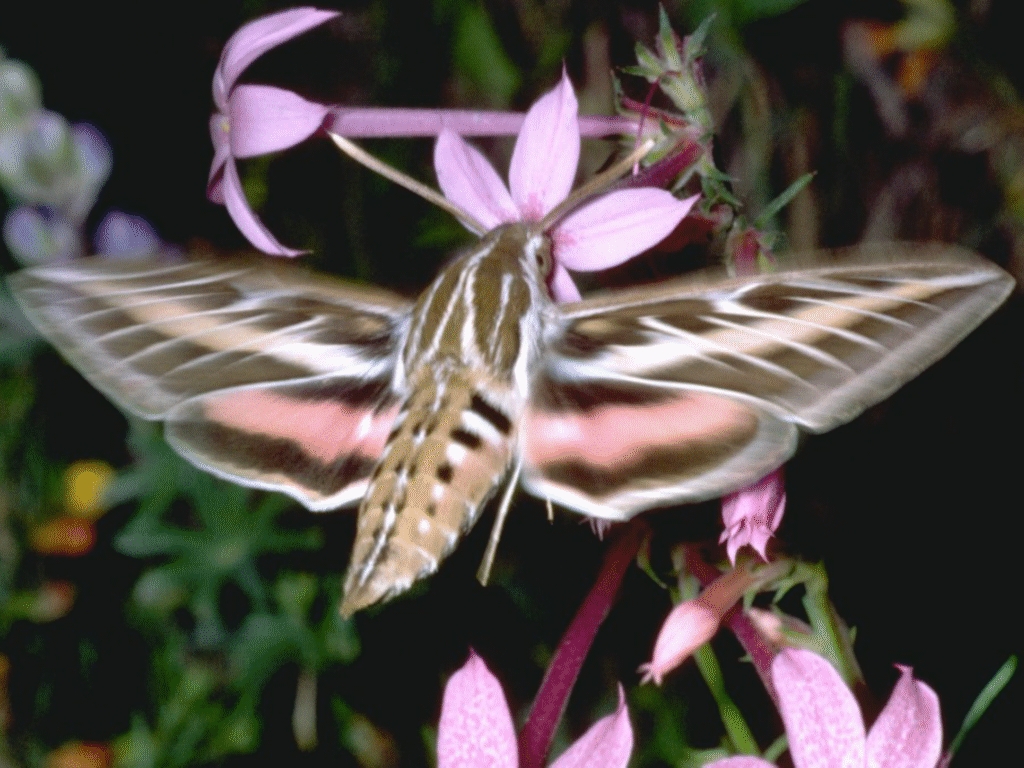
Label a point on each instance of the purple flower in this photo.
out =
(123, 235)
(476, 728)
(256, 119)
(39, 235)
(752, 514)
(597, 235)
(825, 727)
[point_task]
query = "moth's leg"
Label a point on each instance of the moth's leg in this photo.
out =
(484, 573)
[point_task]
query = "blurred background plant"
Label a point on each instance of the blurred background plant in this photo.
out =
(153, 616)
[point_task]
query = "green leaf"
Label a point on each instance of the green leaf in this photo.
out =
(780, 202)
(988, 694)
(478, 54)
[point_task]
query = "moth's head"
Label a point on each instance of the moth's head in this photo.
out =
(537, 253)
(522, 247)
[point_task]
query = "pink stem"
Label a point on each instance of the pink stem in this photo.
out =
(549, 705)
(375, 122)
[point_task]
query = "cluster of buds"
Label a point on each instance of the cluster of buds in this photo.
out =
(53, 170)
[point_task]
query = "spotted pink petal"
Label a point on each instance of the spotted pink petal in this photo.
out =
(740, 761)
(546, 153)
(244, 217)
(908, 732)
(753, 514)
(606, 744)
(562, 286)
(616, 227)
(266, 119)
(476, 725)
(257, 37)
(823, 723)
(470, 181)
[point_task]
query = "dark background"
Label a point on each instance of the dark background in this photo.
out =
(913, 507)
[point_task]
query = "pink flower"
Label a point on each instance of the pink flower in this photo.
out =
(597, 235)
(825, 728)
(753, 514)
(476, 728)
(256, 119)
(694, 622)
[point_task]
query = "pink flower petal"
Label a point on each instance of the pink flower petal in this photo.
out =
(470, 181)
(616, 227)
(244, 217)
(562, 286)
(753, 514)
(257, 37)
(221, 154)
(823, 722)
(740, 761)
(606, 744)
(266, 119)
(476, 725)
(547, 152)
(908, 732)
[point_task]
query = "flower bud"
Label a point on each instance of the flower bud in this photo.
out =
(694, 622)
(53, 600)
(84, 485)
(20, 93)
(65, 536)
(79, 754)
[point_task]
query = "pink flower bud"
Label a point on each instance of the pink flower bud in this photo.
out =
(752, 515)
(693, 623)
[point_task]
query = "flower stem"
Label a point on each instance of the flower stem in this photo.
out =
(760, 652)
(549, 705)
(378, 122)
(736, 727)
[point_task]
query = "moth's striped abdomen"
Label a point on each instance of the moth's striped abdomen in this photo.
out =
(465, 367)
(444, 459)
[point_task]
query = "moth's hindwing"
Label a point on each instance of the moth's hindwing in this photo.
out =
(694, 388)
(317, 440)
(264, 374)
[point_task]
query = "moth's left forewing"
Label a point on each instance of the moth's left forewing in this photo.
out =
(688, 363)
(264, 374)
(152, 333)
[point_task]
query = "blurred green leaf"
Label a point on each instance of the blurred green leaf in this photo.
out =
(478, 56)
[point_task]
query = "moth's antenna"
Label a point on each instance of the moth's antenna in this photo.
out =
(363, 157)
(597, 184)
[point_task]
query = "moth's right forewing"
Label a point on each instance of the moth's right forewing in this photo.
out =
(817, 344)
(694, 388)
(151, 334)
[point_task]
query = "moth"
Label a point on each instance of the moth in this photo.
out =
(336, 393)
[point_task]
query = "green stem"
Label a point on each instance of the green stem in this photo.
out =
(736, 729)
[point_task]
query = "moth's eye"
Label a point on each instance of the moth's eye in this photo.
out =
(544, 262)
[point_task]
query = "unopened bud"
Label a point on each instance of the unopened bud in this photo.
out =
(66, 536)
(84, 485)
(52, 601)
(694, 622)
(79, 754)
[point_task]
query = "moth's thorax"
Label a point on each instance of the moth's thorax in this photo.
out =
(484, 310)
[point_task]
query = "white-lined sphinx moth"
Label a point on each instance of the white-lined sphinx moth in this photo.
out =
(279, 379)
